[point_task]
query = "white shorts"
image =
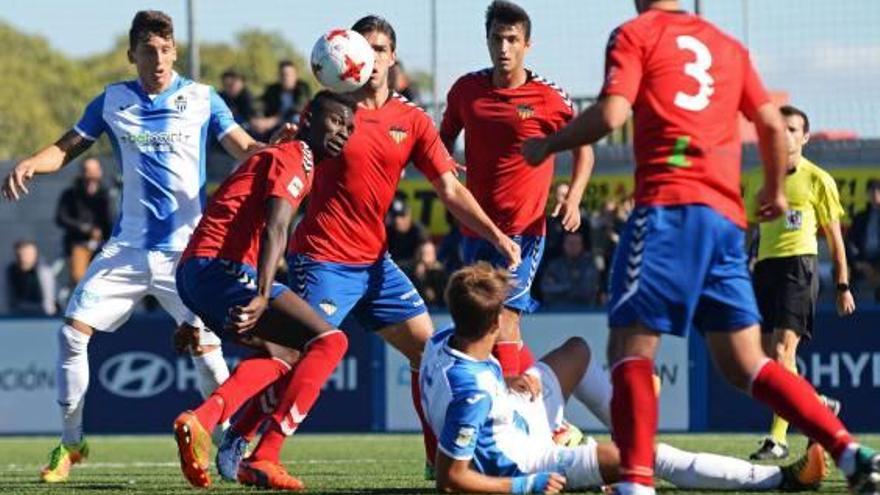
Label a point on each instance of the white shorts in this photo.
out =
(579, 465)
(116, 281)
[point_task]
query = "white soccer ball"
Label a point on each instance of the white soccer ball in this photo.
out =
(342, 60)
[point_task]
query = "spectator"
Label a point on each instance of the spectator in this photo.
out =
(555, 230)
(863, 240)
(450, 253)
(84, 214)
(403, 85)
(571, 279)
(428, 274)
(404, 234)
(30, 283)
(283, 101)
(238, 97)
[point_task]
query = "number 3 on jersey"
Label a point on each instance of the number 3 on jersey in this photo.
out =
(699, 70)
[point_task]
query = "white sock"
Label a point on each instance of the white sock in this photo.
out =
(713, 472)
(594, 390)
(211, 369)
(72, 379)
(847, 460)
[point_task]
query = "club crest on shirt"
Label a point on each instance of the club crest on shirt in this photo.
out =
(465, 436)
(525, 111)
(327, 306)
(794, 220)
(398, 134)
(295, 188)
(180, 103)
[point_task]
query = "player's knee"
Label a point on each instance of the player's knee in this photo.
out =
(579, 349)
(72, 342)
(204, 350)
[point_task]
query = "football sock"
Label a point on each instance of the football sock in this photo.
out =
(847, 459)
(700, 471)
(507, 354)
(594, 391)
(779, 426)
(250, 376)
(211, 370)
(634, 419)
(269, 446)
(526, 358)
(251, 417)
(794, 399)
(72, 377)
(319, 359)
(427, 433)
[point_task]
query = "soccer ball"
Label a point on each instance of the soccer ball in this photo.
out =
(342, 60)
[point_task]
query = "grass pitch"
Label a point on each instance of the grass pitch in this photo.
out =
(338, 464)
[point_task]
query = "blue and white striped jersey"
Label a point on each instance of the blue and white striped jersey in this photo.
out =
(471, 411)
(160, 142)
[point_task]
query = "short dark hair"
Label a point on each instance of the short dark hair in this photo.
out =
(22, 243)
(508, 14)
(232, 73)
(475, 296)
(789, 110)
(147, 23)
(286, 63)
(872, 184)
(325, 96)
(375, 23)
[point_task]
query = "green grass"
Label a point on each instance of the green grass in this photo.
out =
(380, 464)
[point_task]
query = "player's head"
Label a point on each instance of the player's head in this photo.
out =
(331, 122)
(797, 127)
(873, 190)
(508, 34)
(475, 296)
(381, 36)
(643, 5)
(151, 49)
(287, 74)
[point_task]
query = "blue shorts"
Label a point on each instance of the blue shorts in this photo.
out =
(210, 287)
(377, 294)
(681, 265)
(476, 249)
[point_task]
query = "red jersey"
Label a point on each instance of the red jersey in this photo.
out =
(345, 218)
(496, 122)
(233, 223)
(686, 81)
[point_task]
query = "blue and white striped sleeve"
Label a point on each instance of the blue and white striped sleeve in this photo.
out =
(221, 120)
(91, 125)
(465, 415)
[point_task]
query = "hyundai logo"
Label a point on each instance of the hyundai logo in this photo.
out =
(136, 375)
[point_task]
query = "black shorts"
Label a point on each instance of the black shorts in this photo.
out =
(787, 289)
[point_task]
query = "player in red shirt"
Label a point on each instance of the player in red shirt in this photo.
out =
(227, 277)
(498, 109)
(681, 259)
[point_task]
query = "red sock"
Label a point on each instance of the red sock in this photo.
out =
(634, 418)
(315, 366)
(526, 358)
(250, 376)
(507, 354)
(427, 433)
(269, 446)
(795, 400)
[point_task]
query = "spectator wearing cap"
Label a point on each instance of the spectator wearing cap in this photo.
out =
(404, 234)
(571, 279)
(863, 240)
(238, 97)
(30, 283)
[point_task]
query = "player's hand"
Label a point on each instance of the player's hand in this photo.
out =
(846, 305)
(244, 318)
(186, 338)
(525, 384)
(511, 251)
(15, 185)
(771, 205)
(545, 482)
(571, 215)
(460, 169)
(287, 132)
(535, 151)
(555, 484)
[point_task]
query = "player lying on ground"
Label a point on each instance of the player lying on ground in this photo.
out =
(493, 440)
(227, 277)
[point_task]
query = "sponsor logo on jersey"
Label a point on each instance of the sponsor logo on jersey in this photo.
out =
(155, 141)
(136, 375)
(398, 134)
(180, 103)
(525, 111)
(794, 220)
(465, 436)
(295, 188)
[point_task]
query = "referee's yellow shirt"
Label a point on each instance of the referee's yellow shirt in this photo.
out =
(813, 201)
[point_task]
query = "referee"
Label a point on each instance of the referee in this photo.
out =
(786, 277)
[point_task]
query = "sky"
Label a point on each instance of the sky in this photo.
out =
(826, 55)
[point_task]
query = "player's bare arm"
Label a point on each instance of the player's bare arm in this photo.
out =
(462, 204)
(240, 144)
(46, 161)
(773, 146)
(846, 305)
(589, 126)
(570, 209)
(456, 476)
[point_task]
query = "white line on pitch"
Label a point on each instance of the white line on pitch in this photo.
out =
(126, 465)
